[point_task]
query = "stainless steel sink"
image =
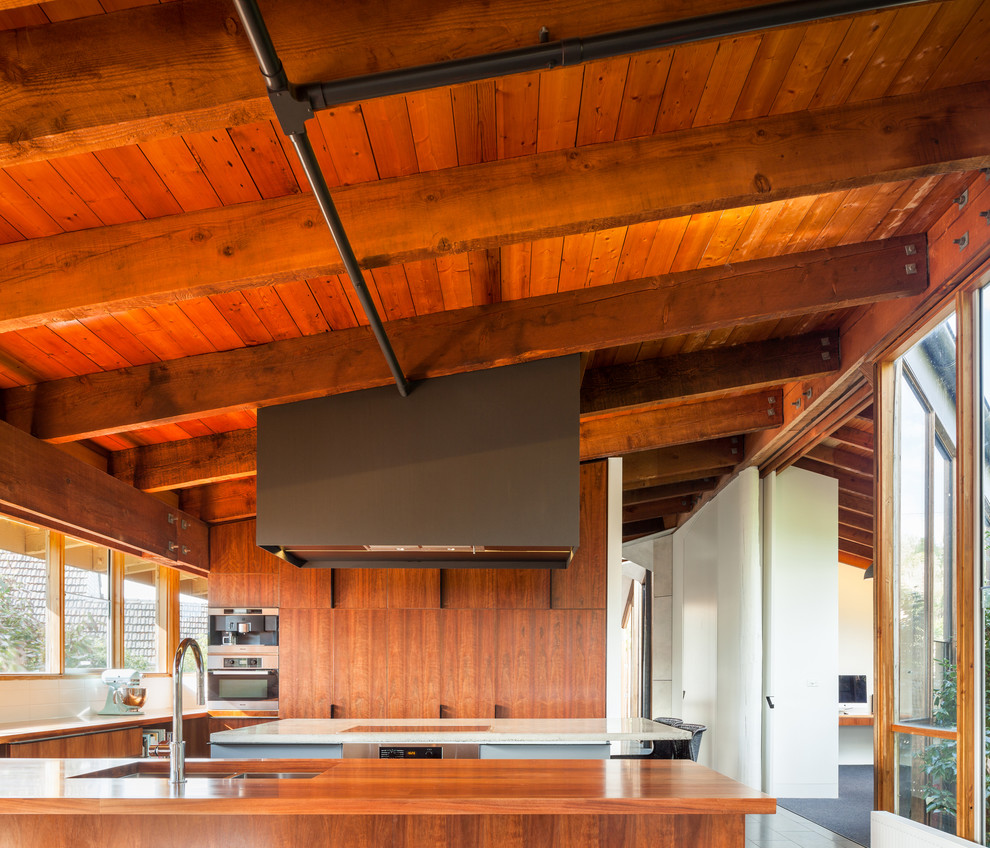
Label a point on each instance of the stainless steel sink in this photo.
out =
(158, 769)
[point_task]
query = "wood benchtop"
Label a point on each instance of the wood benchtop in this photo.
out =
(383, 787)
(26, 731)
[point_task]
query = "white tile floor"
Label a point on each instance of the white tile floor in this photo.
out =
(786, 830)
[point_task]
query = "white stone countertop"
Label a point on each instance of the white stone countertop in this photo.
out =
(543, 731)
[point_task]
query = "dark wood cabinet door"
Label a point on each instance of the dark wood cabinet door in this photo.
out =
(306, 663)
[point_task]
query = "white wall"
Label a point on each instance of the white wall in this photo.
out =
(802, 619)
(613, 589)
(856, 656)
(717, 628)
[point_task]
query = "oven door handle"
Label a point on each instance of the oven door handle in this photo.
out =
(224, 673)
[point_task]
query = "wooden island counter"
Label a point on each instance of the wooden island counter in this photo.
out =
(579, 803)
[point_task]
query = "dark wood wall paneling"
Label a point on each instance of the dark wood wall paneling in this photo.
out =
(421, 643)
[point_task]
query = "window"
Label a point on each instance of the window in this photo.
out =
(114, 609)
(925, 670)
(23, 597)
(87, 606)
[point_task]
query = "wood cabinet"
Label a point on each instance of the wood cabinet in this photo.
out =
(305, 663)
(241, 573)
(125, 742)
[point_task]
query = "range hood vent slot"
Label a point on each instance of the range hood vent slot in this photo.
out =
(471, 470)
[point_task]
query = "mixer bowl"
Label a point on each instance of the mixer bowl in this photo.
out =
(134, 696)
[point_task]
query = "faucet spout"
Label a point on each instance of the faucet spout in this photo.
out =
(177, 749)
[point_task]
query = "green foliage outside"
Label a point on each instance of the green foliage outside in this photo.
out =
(22, 634)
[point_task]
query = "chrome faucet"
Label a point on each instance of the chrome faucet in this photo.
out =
(177, 749)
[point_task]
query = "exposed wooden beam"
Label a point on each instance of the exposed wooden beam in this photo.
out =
(130, 90)
(853, 483)
(846, 460)
(851, 436)
(671, 490)
(639, 429)
(188, 462)
(862, 551)
(643, 528)
(854, 534)
(708, 372)
(215, 503)
(523, 198)
(856, 503)
(702, 459)
(855, 519)
(467, 339)
(853, 559)
(40, 483)
(658, 509)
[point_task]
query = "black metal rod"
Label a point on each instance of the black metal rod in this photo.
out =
(323, 95)
(277, 82)
(311, 166)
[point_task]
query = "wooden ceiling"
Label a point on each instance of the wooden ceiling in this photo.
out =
(721, 228)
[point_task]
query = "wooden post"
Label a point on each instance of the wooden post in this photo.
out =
(884, 750)
(116, 609)
(967, 572)
(55, 609)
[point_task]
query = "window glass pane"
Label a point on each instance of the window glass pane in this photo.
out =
(87, 606)
(925, 780)
(193, 616)
(23, 597)
(913, 642)
(140, 614)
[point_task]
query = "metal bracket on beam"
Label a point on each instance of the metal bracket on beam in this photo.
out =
(292, 113)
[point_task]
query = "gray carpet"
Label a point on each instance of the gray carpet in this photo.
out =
(849, 814)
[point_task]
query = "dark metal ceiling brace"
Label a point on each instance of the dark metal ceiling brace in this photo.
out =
(574, 51)
(293, 112)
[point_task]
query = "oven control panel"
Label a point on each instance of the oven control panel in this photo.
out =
(242, 662)
(410, 752)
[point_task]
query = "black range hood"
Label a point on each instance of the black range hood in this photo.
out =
(472, 470)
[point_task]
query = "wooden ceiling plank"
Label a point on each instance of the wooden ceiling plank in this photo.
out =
(695, 241)
(968, 53)
(222, 164)
(545, 266)
(43, 184)
(347, 142)
(434, 345)
(517, 103)
(730, 227)
(302, 306)
(136, 177)
(862, 38)
(559, 99)
(22, 212)
(516, 262)
(775, 56)
(733, 59)
(333, 302)
(690, 68)
(485, 273)
(431, 121)
(894, 49)
(261, 152)
(755, 365)
(936, 42)
(89, 179)
(280, 240)
(575, 259)
(390, 134)
(814, 56)
(474, 122)
(393, 289)
(601, 100)
(645, 84)
(203, 313)
(665, 466)
(629, 431)
(605, 252)
(179, 170)
(424, 286)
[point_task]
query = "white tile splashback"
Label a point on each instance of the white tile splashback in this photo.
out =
(27, 700)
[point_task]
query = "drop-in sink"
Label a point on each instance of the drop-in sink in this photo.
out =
(159, 769)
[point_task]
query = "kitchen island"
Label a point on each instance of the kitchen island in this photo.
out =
(414, 804)
(577, 738)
